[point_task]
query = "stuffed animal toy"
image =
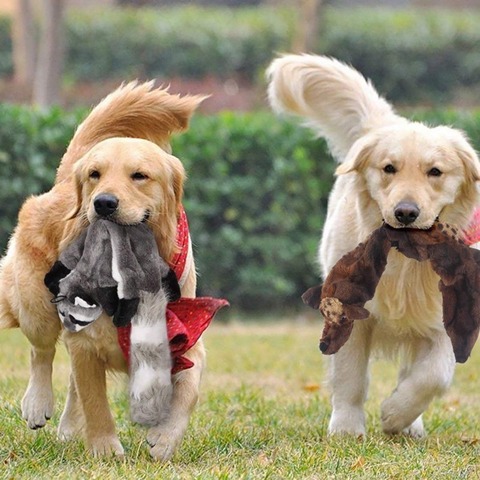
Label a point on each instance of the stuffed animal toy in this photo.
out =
(354, 278)
(117, 269)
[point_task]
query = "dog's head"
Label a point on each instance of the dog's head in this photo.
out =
(416, 174)
(129, 181)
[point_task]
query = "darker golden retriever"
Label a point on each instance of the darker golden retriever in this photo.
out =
(119, 159)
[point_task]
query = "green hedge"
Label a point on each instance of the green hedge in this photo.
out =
(411, 55)
(31, 145)
(256, 194)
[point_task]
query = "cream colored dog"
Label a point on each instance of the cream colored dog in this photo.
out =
(119, 163)
(406, 174)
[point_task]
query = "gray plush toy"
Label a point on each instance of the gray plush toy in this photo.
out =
(117, 269)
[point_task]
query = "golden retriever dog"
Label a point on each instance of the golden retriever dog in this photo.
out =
(118, 162)
(396, 171)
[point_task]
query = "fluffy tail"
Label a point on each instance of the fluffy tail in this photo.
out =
(133, 110)
(335, 100)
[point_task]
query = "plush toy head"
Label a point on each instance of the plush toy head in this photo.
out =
(105, 269)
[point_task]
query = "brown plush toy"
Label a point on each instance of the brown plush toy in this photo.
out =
(354, 278)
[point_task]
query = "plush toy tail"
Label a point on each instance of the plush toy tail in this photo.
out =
(136, 110)
(334, 99)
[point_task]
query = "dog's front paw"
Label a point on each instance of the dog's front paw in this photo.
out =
(105, 447)
(164, 442)
(348, 422)
(394, 418)
(37, 405)
(416, 429)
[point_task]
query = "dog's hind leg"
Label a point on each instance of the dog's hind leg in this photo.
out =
(428, 375)
(349, 383)
(72, 420)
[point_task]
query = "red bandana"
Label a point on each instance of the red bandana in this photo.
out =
(187, 318)
(472, 232)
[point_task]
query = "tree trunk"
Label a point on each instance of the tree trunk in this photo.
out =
(308, 26)
(48, 74)
(24, 45)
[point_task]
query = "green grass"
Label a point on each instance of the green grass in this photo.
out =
(263, 414)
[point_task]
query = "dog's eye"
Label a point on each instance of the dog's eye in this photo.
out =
(389, 169)
(139, 176)
(434, 172)
(95, 174)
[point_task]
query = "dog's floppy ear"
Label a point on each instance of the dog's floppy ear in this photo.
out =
(357, 155)
(178, 178)
(464, 151)
(77, 185)
(470, 160)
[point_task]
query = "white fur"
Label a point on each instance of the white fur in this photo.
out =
(80, 302)
(148, 334)
(406, 317)
(116, 272)
(145, 377)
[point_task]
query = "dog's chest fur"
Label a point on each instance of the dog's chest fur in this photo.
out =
(407, 300)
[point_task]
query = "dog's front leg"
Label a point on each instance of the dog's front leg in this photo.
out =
(349, 383)
(37, 403)
(428, 375)
(166, 438)
(89, 373)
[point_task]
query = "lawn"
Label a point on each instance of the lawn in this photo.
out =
(263, 414)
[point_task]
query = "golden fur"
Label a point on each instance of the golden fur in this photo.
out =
(122, 148)
(387, 162)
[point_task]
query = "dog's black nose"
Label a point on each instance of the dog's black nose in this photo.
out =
(406, 212)
(105, 204)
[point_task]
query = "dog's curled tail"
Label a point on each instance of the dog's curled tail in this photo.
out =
(136, 110)
(333, 98)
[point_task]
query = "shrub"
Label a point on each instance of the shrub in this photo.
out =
(256, 194)
(190, 42)
(31, 145)
(412, 55)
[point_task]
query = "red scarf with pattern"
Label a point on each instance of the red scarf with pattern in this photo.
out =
(187, 318)
(471, 234)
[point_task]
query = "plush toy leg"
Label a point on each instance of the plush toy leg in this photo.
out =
(90, 382)
(151, 386)
(349, 383)
(165, 439)
(72, 420)
(429, 375)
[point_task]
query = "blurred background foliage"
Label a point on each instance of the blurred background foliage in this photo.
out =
(257, 184)
(414, 56)
(256, 193)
